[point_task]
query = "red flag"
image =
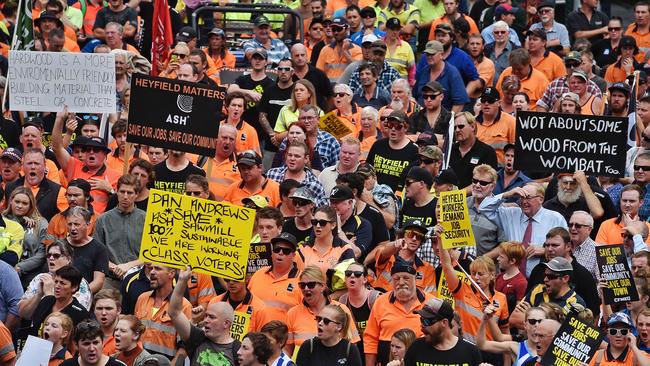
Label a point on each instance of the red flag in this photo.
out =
(161, 37)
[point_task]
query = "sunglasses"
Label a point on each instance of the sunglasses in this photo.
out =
(299, 202)
(408, 182)
(488, 100)
(367, 16)
(193, 193)
(179, 55)
(571, 64)
(645, 168)
(92, 149)
(544, 11)
(499, 32)
(325, 321)
(481, 182)
(285, 68)
(321, 223)
(413, 234)
(383, 118)
(617, 331)
(430, 96)
(427, 322)
(54, 256)
(310, 285)
(90, 116)
(576, 225)
(341, 95)
(337, 29)
(283, 250)
(534, 321)
(427, 161)
(395, 126)
(356, 274)
(614, 29)
(552, 276)
(459, 127)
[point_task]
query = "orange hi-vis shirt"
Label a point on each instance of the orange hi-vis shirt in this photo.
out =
(308, 256)
(302, 325)
(160, 334)
(551, 65)
(222, 175)
(642, 39)
(237, 192)
(278, 294)
(498, 134)
(486, 71)
(425, 277)
(473, 29)
(77, 169)
(58, 228)
(7, 352)
(610, 232)
(534, 85)
(353, 120)
(109, 346)
(469, 305)
(252, 306)
(334, 64)
(246, 138)
(387, 317)
(200, 289)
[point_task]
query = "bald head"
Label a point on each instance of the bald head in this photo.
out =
(222, 310)
(545, 331)
(299, 55)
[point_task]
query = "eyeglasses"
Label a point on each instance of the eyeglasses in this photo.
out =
(408, 182)
(617, 331)
(341, 95)
(534, 321)
(179, 55)
(91, 149)
(544, 11)
(528, 198)
(459, 127)
(310, 285)
(645, 168)
(285, 68)
(483, 183)
(283, 250)
(317, 29)
(427, 161)
(193, 193)
(413, 234)
(614, 29)
(54, 256)
(427, 322)
(336, 29)
(300, 203)
(499, 32)
(576, 225)
(488, 100)
(356, 274)
(395, 126)
(430, 96)
(325, 321)
(321, 223)
(552, 276)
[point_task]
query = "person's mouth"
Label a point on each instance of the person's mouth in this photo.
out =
(46, 335)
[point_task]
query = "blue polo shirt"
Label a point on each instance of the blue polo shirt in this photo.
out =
(379, 99)
(461, 60)
(357, 37)
(450, 79)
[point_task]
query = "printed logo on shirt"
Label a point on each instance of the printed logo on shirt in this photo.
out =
(290, 287)
(342, 361)
(419, 275)
(243, 137)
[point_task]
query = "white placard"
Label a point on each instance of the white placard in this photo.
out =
(48, 81)
(36, 352)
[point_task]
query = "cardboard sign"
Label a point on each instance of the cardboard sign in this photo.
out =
(454, 218)
(574, 342)
(259, 256)
(443, 287)
(48, 81)
(332, 124)
(240, 325)
(174, 114)
(211, 237)
(613, 268)
(564, 143)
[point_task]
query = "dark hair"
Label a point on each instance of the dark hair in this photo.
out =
(118, 127)
(70, 273)
(144, 165)
(524, 95)
(352, 180)
(261, 346)
(642, 3)
(299, 144)
(235, 95)
(352, 8)
(270, 213)
(331, 216)
(278, 330)
(302, 126)
(287, 185)
(129, 180)
(56, 33)
(201, 54)
(368, 66)
(54, 4)
(199, 180)
(561, 232)
(65, 248)
(634, 187)
(87, 330)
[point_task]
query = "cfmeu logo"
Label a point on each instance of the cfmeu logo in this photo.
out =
(184, 103)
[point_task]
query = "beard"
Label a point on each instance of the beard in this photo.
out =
(566, 197)
(434, 338)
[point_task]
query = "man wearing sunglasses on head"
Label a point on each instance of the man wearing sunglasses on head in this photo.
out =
(622, 348)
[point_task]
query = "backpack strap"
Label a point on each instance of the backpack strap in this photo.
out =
(374, 294)
(347, 352)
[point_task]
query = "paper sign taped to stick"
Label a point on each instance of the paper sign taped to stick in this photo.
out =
(48, 81)
(240, 325)
(613, 268)
(454, 218)
(575, 342)
(332, 124)
(211, 237)
(259, 256)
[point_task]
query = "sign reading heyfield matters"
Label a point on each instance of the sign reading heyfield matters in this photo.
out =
(557, 143)
(211, 237)
(48, 81)
(174, 114)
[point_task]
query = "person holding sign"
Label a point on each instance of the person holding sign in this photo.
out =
(622, 348)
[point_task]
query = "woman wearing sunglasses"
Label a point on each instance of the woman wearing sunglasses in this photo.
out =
(300, 318)
(331, 346)
(404, 250)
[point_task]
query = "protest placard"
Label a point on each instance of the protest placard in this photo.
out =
(332, 124)
(565, 143)
(174, 114)
(48, 81)
(36, 352)
(443, 287)
(211, 237)
(574, 342)
(259, 256)
(613, 268)
(240, 325)
(454, 218)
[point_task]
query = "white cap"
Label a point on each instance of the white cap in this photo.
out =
(369, 38)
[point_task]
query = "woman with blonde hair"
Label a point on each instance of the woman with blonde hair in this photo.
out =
(332, 345)
(303, 93)
(127, 335)
(399, 343)
(58, 328)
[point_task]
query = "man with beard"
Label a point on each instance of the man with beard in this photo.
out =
(224, 164)
(619, 95)
(575, 193)
(507, 177)
(543, 338)
(335, 57)
(440, 345)
(392, 312)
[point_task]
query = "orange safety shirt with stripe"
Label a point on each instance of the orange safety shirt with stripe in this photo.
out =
(469, 304)
(302, 325)
(250, 305)
(425, 277)
(278, 294)
(200, 288)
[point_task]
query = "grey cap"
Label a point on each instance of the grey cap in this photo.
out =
(304, 194)
(559, 264)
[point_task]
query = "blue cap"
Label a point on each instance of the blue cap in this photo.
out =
(619, 318)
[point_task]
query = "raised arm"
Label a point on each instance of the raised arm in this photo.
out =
(181, 322)
(62, 155)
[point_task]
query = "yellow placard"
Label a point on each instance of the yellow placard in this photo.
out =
(443, 288)
(332, 124)
(240, 325)
(454, 218)
(211, 237)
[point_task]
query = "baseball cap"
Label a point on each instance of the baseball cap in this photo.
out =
(398, 116)
(627, 41)
(91, 142)
(559, 264)
(303, 193)
(402, 267)
(433, 47)
(443, 27)
(12, 154)
(393, 23)
(621, 87)
(368, 10)
(431, 152)
(436, 308)
(504, 9)
(339, 22)
(249, 157)
(447, 176)
(379, 45)
(216, 32)
(34, 121)
(416, 224)
(490, 95)
(619, 318)
(285, 237)
(426, 139)
(418, 174)
(261, 52)
(186, 34)
(580, 74)
(573, 56)
(369, 38)
(156, 360)
(546, 4)
(434, 86)
(261, 20)
(257, 200)
(340, 193)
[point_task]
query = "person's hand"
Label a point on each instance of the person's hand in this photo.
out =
(634, 228)
(518, 191)
(101, 184)
(488, 312)
(628, 65)
(580, 177)
(63, 114)
(602, 283)
(632, 340)
(366, 196)
(29, 222)
(394, 363)
(18, 270)
(523, 306)
(47, 283)
(400, 244)
(185, 274)
(120, 270)
(534, 251)
(531, 10)
(346, 44)
(71, 125)
(255, 96)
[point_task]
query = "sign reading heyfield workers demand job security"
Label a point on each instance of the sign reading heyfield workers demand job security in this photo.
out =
(454, 218)
(211, 237)
(613, 268)
(574, 343)
(174, 114)
(557, 143)
(48, 81)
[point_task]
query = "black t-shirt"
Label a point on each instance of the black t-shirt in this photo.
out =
(426, 213)
(74, 310)
(111, 362)
(9, 133)
(379, 231)
(171, 181)
(462, 354)
(604, 53)
(273, 99)
(361, 316)
(90, 258)
(301, 235)
(321, 83)
(480, 153)
(204, 352)
(389, 163)
(314, 353)
(106, 15)
(252, 112)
